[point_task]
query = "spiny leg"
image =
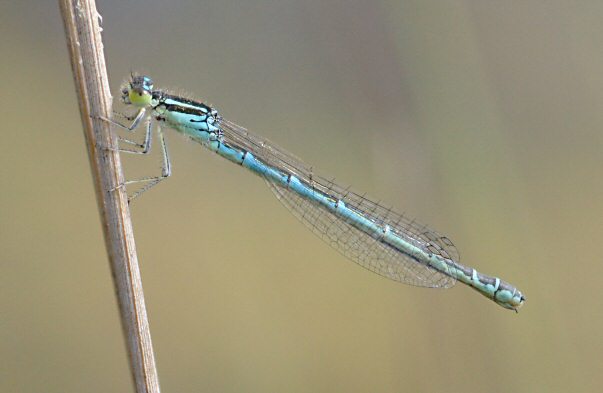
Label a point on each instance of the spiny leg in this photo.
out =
(166, 167)
(137, 118)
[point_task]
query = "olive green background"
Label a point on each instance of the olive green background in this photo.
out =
(481, 118)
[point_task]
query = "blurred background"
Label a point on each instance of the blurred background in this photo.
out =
(480, 118)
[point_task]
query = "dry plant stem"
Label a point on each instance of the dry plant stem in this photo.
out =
(87, 61)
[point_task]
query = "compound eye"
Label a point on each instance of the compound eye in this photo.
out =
(147, 83)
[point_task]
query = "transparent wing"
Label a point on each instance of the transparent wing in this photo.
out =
(362, 248)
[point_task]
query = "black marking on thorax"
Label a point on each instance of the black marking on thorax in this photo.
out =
(200, 110)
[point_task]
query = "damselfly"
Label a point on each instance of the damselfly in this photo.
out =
(369, 234)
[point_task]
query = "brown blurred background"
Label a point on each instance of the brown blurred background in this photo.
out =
(481, 118)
